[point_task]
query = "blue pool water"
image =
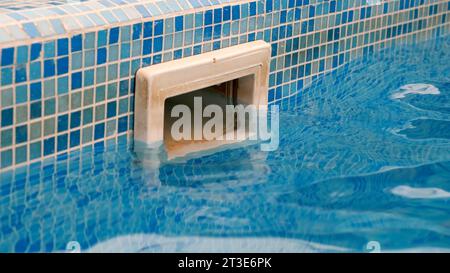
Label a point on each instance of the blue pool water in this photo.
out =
(364, 156)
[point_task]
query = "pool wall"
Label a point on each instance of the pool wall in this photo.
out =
(67, 69)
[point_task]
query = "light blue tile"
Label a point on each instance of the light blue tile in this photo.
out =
(195, 3)
(6, 138)
(198, 19)
(187, 52)
(169, 26)
(101, 74)
(6, 158)
(123, 106)
(84, 21)
(125, 33)
(154, 10)
(109, 17)
(135, 65)
(7, 97)
(6, 76)
(184, 4)
(35, 150)
(120, 15)
(63, 85)
(162, 5)
(49, 88)
(136, 48)
(173, 5)
(198, 35)
(168, 42)
(205, 3)
(21, 93)
(178, 40)
(112, 72)
(49, 49)
(35, 70)
(143, 11)
(89, 77)
(22, 54)
(89, 40)
(97, 19)
(57, 26)
(113, 53)
(188, 21)
(124, 69)
(77, 60)
(16, 16)
(89, 58)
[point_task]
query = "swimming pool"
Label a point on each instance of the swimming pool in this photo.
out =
(364, 156)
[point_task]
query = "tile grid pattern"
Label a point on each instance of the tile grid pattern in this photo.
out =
(7, 6)
(55, 18)
(58, 95)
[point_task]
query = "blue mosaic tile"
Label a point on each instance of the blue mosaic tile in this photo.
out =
(75, 119)
(35, 91)
(21, 74)
(21, 133)
(31, 30)
(179, 23)
(158, 27)
(49, 107)
(74, 139)
(21, 93)
(6, 158)
(63, 85)
(102, 38)
(22, 55)
(85, 76)
(63, 47)
(99, 131)
(77, 80)
(137, 31)
(62, 65)
(35, 150)
(63, 123)
(35, 110)
(114, 35)
(49, 68)
(62, 142)
(49, 146)
(148, 29)
(6, 138)
(6, 76)
(35, 71)
(76, 43)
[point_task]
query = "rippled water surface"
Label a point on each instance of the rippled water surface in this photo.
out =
(364, 156)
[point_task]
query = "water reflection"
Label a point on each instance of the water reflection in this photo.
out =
(336, 182)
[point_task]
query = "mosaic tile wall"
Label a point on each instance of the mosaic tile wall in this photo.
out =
(67, 69)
